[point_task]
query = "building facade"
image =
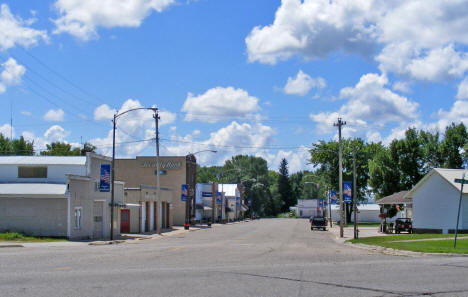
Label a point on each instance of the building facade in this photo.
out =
(144, 210)
(57, 196)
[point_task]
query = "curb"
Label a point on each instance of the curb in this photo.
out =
(11, 245)
(106, 242)
(395, 252)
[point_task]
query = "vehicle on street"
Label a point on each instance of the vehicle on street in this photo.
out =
(403, 224)
(318, 222)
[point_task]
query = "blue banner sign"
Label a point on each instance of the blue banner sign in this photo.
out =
(206, 194)
(218, 198)
(333, 197)
(347, 190)
(184, 192)
(249, 201)
(237, 201)
(105, 178)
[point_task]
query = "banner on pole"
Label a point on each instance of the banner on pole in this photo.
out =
(105, 178)
(333, 197)
(218, 198)
(347, 190)
(184, 192)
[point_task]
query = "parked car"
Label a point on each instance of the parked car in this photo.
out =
(403, 224)
(318, 222)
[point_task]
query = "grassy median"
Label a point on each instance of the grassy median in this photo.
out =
(426, 243)
(18, 237)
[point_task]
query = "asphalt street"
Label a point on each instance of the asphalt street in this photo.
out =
(268, 257)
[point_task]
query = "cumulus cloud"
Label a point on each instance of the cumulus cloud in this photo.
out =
(6, 130)
(82, 18)
(463, 89)
(11, 74)
(132, 126)
(54, 115)
(458, 113)
(302, 84)
(219, 104)
(16, 31)
(420, 39)
(236, 138)
(297, 160)
(55, 133)
(104, 112)
(369, 103)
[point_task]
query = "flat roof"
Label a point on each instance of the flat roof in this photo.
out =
(43, 160)
(33, 190)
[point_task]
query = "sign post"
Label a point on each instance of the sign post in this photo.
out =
(461, 181)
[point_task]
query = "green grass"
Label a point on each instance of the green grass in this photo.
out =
(13, 236)
(429, 246)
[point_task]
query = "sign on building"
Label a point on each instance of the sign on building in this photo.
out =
(184, 192)
(105, 178)
(347, 190)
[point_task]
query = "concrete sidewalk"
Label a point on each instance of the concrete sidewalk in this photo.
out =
(349, 232)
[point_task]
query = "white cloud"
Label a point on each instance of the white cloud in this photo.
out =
(52, 134)
(103, 112)
(55, 133)
(463, 89)
(302, 84)
(402, 86)
(219, 104)
(458, 113)
(297, 160)
(421, 39)
(132, 126)
(11, 74)
(54, 115)
(236, 138)
(369, 103)
(82, 18)
(6, 130)
(15, 31)
(26, 113)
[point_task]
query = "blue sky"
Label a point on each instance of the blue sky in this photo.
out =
(260, 77)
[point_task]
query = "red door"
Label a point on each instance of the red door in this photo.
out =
(125, 221)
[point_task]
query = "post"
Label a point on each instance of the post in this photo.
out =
(356, 235)
(329, 208)
(223, 205)
(213, 202)
(459, 206)
(112, 180)
(340, 161)
(187, 201)
(158, 168)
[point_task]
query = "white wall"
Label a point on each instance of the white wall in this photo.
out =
(55, 173)
(435, 205)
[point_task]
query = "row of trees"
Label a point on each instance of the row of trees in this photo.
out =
(22, 147)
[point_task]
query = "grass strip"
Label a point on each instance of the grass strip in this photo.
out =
(429, 246)
(18, 237)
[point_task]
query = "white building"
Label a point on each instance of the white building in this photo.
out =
(367, 213)
(56, 196)
(307, 208)
(435, 202)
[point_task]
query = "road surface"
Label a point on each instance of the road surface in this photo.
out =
(268, 257)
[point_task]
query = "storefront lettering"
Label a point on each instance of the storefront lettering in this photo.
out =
(163, 164)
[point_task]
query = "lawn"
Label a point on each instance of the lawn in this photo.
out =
(18, 237)
(414, 244)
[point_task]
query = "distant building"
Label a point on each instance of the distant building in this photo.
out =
(307, 208)
(58, 196)
(435, 201)
(367, 213)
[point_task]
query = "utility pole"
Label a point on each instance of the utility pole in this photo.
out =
(214, 189)
(329, 207)
(340, 161)
(113, 179)
(158, 168)
(356, 235)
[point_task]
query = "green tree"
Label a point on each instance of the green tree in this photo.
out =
(455, 138)
(284, 187)
(60, 149)
(21, 147)
(88, 148)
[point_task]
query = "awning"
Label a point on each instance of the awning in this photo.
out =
(207, 208)
(395, 198)
(131, 205)
(33, 190)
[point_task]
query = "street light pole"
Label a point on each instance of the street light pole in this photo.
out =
(114, 122)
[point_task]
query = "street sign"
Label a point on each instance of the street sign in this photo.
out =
(184, 192)
(105, 178)
(461, 181)
(347, 196)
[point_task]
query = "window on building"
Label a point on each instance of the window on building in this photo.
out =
(32, 172)
(78, 215)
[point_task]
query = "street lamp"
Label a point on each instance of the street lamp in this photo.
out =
(191, 162)
(116, 116)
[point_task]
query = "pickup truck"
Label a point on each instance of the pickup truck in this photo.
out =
(318, 222)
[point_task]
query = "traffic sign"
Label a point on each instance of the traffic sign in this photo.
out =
(461, 181)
